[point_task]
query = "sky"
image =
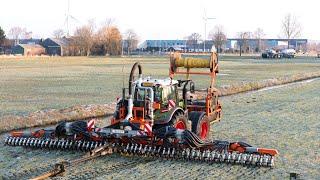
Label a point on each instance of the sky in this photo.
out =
(165, 19)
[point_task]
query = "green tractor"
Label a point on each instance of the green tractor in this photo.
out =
(154, 103)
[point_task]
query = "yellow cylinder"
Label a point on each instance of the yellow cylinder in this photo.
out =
(179, 62)
(193, 63)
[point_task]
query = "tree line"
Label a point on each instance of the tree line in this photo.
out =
(107, 39)
(290, 28)
(87, 39)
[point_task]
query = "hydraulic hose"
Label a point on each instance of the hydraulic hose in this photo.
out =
(131, 78)
(131, 81)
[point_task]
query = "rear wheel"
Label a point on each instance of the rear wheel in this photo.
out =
(200, 124)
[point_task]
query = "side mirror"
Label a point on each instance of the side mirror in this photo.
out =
(192, 88)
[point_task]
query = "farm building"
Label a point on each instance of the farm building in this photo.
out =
(28, 49)
(56, 47)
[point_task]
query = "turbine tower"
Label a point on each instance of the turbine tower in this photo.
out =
(68, 18)
(205, 19)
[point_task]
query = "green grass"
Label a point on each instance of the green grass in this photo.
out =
(31, 84)
(286, 119)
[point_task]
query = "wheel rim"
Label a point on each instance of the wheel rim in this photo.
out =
(204, 130)
(180, 125)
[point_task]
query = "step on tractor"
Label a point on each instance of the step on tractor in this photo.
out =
(166, 118)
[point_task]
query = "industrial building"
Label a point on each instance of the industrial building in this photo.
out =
(252, 45)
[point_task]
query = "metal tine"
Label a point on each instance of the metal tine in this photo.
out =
(131, 148)
(24, 141)
(13, 141)
(135, 148)
(39, 142)
(79, 145)
(9, 141)
(34, 144)
(31, 140)
(144, 151)
(163, 154)
(6, 140)
(16, 140)
(43, 142)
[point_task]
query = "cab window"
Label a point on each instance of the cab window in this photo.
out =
(169, 92)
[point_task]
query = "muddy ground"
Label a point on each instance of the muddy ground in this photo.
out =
(285, 118)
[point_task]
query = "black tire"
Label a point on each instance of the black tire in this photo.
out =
(200, 124)
(179, 119)
(122, 102)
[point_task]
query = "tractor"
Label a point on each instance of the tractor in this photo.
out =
(155, 103)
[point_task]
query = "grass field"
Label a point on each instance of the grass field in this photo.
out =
(32, 84)
(285, 118)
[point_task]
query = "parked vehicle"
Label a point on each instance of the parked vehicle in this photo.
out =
(288, 53)
(270, 53)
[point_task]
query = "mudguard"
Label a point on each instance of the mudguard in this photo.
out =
(165, 117)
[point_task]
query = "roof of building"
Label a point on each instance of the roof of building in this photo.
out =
(61, 41)
(30, 41)
(264, 39)
(30, 46)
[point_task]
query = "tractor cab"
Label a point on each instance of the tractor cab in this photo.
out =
(155, 95)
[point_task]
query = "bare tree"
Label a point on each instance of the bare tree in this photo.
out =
(108, 22)
(109, 39)
(243, 41)
(27, 34)
(313, 47)
(259, 35)
(131, 40)
(219, 37)
(291, 28)
(16, 33)
(193, 40)
(58, 33)
(84, 38)
(114, 41)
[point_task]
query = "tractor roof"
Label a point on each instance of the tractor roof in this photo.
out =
(161, 82)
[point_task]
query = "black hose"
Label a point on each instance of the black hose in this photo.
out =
(131, 78)
(73, 128)
(191, 139)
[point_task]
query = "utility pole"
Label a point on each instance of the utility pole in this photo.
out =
(122, 47)
(205, 18)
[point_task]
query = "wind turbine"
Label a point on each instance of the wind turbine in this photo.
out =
(68, 17)
(205, 19)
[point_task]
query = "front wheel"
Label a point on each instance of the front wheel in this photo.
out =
(180, 121)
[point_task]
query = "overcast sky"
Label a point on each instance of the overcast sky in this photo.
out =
(165, 19)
